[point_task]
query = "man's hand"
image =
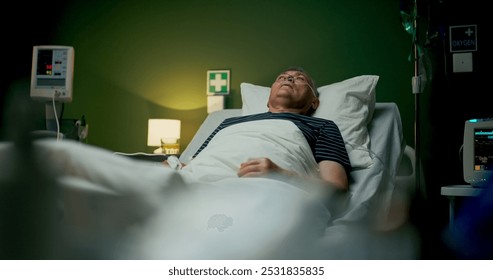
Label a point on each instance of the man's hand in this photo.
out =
(259, 167)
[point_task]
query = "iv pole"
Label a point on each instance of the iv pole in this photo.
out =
(416, 88)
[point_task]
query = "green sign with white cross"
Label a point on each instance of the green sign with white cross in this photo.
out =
(218, 82)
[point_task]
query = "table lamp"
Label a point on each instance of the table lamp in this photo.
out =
(165, 134)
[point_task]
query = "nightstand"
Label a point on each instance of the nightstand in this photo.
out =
(454, 191)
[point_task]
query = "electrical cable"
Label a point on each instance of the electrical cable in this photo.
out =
(56, 119)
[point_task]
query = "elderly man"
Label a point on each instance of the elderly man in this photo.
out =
(293, 97)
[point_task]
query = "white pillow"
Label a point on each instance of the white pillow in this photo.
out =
(349, 103)
(254, 98)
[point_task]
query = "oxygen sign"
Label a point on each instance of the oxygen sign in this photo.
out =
(463, 38)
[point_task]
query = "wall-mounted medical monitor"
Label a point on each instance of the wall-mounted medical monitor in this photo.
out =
(477, 151)
(52, 73)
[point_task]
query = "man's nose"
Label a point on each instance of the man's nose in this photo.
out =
(290, 79)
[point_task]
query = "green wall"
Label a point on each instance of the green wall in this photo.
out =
(137, 60)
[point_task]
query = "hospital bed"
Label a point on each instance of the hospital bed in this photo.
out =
(117, 207)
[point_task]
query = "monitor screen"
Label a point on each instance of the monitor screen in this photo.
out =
(478, 151)
(52, 73)
(483, 149)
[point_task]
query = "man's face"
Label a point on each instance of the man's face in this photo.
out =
(293, 82)
(291, 90)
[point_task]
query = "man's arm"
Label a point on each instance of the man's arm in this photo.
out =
(334, 173)
(331, 172)
(333, 179)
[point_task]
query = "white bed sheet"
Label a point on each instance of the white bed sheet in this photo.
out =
(367, 185)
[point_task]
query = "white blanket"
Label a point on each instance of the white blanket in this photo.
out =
(279, 140)
(142, 210)
(252, 218)
(222, 216)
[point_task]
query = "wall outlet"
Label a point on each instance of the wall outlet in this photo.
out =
(462, 62)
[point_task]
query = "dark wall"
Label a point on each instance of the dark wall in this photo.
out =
(23, 27)
(457, 96)
(453, 98)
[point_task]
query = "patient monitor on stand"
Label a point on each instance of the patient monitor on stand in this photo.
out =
(51, 81)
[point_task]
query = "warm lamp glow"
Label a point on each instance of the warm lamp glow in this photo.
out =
(162, 132)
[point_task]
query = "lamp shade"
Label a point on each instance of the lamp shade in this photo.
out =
(162, 128)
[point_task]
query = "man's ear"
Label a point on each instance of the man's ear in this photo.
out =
(313, 106)
(315, 103)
